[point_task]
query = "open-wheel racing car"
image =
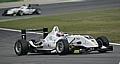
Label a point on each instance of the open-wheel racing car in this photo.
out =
(61, 43)
(23, 10)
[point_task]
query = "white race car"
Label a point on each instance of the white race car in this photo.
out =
(61, 43)
(23, 10)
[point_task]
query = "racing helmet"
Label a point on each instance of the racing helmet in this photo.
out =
(59, 34)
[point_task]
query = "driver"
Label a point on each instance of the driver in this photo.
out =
(59, 34)
(24, 6)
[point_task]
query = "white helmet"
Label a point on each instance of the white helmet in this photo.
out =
(59, 34)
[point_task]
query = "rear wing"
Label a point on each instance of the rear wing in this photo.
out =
(24, 31)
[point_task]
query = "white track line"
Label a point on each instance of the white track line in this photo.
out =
(114, 44)
(10, 30)
(37, 33)
(73, 0)
(18, 31)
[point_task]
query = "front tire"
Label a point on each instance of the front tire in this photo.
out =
(102, 41)
(62, 47)
(37, 11)
(21, 47)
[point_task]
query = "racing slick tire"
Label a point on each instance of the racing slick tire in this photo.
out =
(62, 47)
(102, 41)
(5, 13)
(20, 13)
(21, 47)
(37, 11)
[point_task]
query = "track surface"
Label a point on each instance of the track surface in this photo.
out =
(61, 8)
(8, 56)
(8, 38)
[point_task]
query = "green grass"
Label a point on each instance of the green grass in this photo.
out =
(97, 23)
(1, 1)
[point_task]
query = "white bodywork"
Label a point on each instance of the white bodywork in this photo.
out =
(85, 40)
(49, 43)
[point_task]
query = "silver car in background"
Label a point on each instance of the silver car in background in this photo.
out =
(23, 10)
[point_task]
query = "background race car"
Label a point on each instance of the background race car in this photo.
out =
(23, 10)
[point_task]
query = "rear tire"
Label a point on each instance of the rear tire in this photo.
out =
(62, 47)
(4, 13)
(21, 47)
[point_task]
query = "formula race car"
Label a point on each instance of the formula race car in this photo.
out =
(23, 10)
(61, 43)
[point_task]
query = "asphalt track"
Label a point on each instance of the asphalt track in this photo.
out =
(8, 38)
(62, 8)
